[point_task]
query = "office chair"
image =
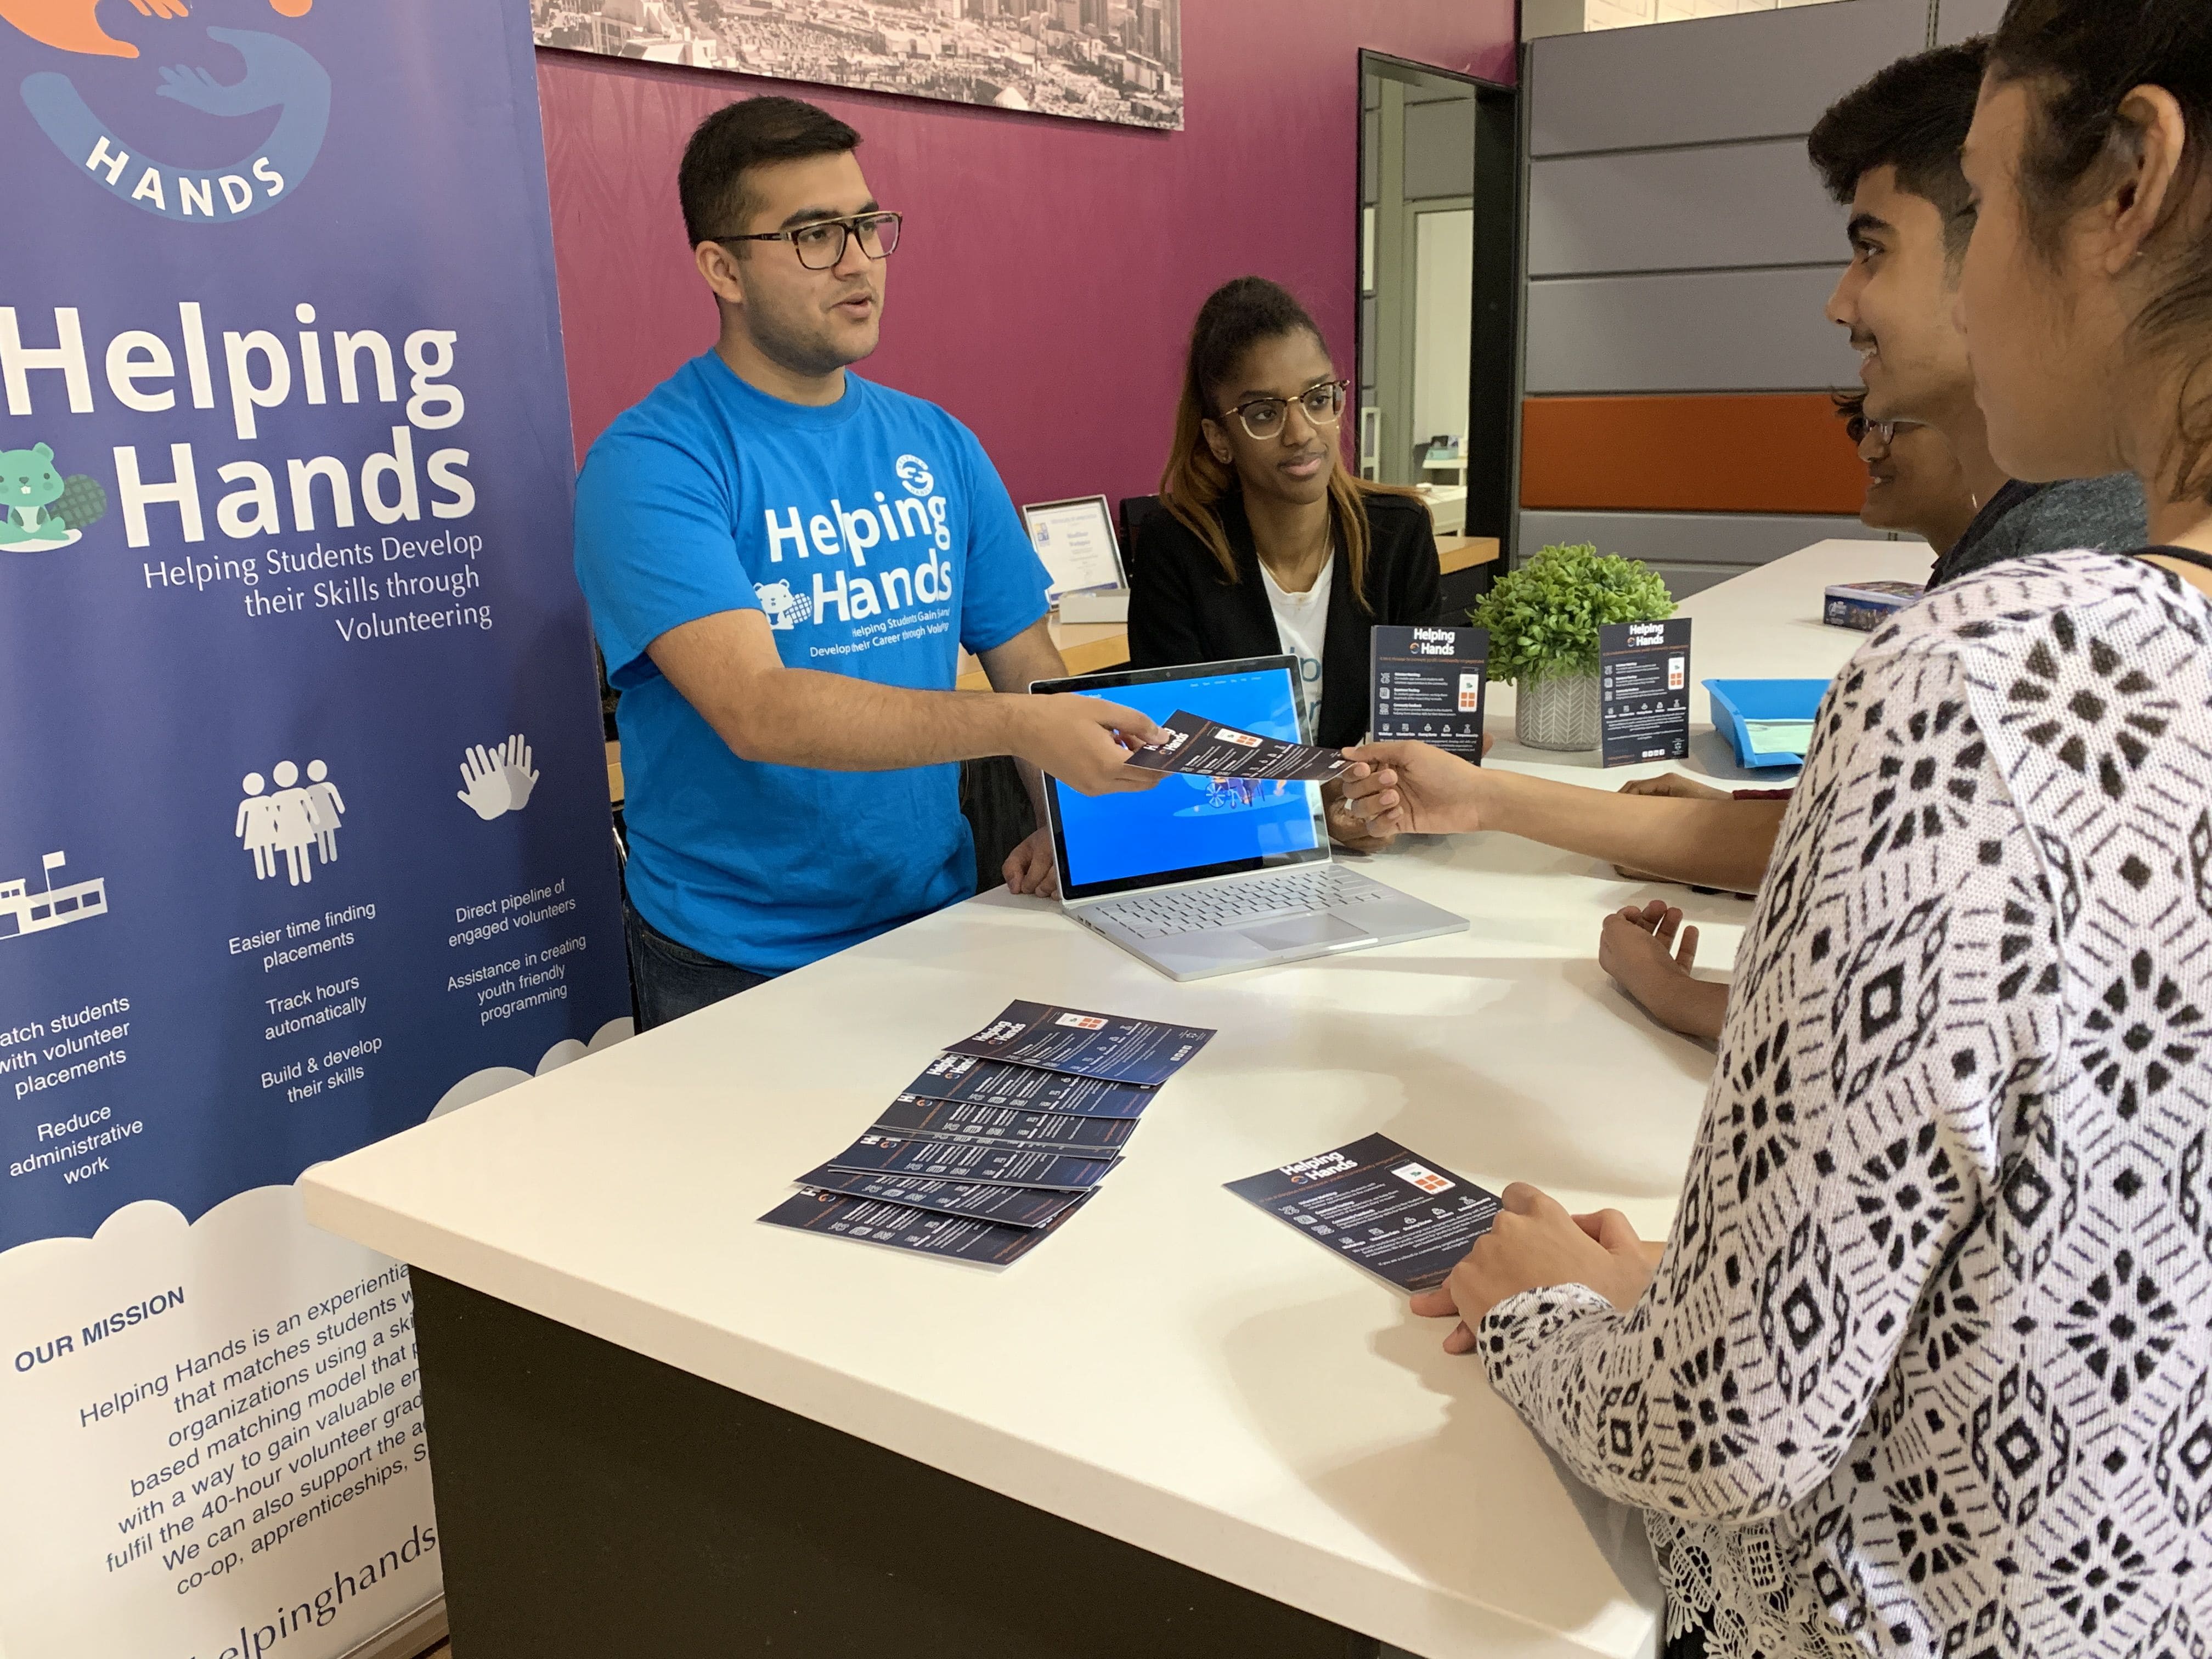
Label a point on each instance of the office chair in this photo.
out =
(1134, 510)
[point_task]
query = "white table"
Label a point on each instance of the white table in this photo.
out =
(1174, 1370)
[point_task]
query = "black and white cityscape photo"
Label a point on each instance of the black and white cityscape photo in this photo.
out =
(1098, 60)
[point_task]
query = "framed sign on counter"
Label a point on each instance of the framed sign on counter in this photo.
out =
(1075, 538)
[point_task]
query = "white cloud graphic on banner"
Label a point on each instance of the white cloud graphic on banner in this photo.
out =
(191, 1466)
(479, 1085)
(212, 1424)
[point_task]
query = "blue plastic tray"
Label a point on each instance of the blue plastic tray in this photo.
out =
(1736, 702)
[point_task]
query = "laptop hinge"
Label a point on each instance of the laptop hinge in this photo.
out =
(1327, 858)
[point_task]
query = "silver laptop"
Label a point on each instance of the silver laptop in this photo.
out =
(1203, 876)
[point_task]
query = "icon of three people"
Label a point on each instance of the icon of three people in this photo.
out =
(301, 821)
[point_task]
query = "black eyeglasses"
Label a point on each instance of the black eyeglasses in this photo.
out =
(1858, 426)
(1263, 417)
(820, 245)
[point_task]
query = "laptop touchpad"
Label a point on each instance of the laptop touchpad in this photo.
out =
(1304, 933)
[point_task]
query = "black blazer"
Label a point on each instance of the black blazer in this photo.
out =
(1181, 610)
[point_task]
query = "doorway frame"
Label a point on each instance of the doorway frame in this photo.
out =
(1493, 401)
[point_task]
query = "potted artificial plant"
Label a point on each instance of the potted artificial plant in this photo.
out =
(1543, 621)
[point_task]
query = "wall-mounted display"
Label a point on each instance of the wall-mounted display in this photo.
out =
(1097, 60)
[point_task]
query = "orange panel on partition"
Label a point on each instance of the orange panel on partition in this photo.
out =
(1692, 453)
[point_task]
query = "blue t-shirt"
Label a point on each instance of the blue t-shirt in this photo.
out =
(875, 535)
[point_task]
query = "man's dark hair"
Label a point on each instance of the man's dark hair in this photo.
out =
(753, 132)
(1914, 116)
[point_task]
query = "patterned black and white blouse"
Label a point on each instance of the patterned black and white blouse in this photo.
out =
(1926, 1367)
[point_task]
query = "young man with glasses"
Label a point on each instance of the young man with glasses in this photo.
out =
(783, 561)
(1914, 483)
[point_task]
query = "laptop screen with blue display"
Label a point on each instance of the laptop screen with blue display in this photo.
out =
(1186, 827)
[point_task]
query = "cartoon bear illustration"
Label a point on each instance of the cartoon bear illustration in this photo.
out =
(784, 609)
(72, 26)
(28, 485)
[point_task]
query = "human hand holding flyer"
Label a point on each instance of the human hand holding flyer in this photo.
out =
(1206, 747)
(1400, 1217)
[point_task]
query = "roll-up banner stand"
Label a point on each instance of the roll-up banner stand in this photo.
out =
(304, 832)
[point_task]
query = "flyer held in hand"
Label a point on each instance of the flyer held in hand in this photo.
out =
(1402, 1218)
(1206, 747)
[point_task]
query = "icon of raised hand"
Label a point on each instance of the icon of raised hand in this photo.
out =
(520, 780)
(195, 89)
(485, 790)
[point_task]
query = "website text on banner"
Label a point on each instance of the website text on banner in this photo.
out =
(308, 829)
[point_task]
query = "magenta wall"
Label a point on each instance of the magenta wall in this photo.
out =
(1051, 267)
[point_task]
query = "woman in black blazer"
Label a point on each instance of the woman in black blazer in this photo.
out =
(1261, 512)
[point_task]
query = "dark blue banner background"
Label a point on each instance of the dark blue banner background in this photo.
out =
(358, 160)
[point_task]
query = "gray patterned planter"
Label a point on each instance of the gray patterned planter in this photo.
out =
(1558, 712)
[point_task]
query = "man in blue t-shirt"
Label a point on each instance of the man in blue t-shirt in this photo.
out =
(783, 561)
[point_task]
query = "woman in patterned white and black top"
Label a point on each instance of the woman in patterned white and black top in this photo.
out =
(1926, 1364)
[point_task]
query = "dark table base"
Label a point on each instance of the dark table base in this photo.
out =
(597, 1504)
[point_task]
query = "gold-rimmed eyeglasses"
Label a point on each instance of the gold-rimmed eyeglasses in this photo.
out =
(1263, 417)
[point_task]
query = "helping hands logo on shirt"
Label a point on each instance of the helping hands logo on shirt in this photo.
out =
(784, 609)
(891, 528)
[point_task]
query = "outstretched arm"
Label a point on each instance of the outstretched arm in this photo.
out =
(726, 666)
(1412, 787)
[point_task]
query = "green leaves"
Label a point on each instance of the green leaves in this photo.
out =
(1543, 618)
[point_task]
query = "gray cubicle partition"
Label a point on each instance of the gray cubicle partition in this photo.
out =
(1961, 20)
(1679, 243)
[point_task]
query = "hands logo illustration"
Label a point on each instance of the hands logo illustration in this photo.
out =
(71, 25)
(499, 781)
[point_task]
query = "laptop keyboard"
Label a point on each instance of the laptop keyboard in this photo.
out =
(1235, 904)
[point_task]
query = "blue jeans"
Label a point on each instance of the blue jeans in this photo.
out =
(671, 980)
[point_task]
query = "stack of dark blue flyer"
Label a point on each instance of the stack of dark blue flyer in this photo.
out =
(1001, 1139)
